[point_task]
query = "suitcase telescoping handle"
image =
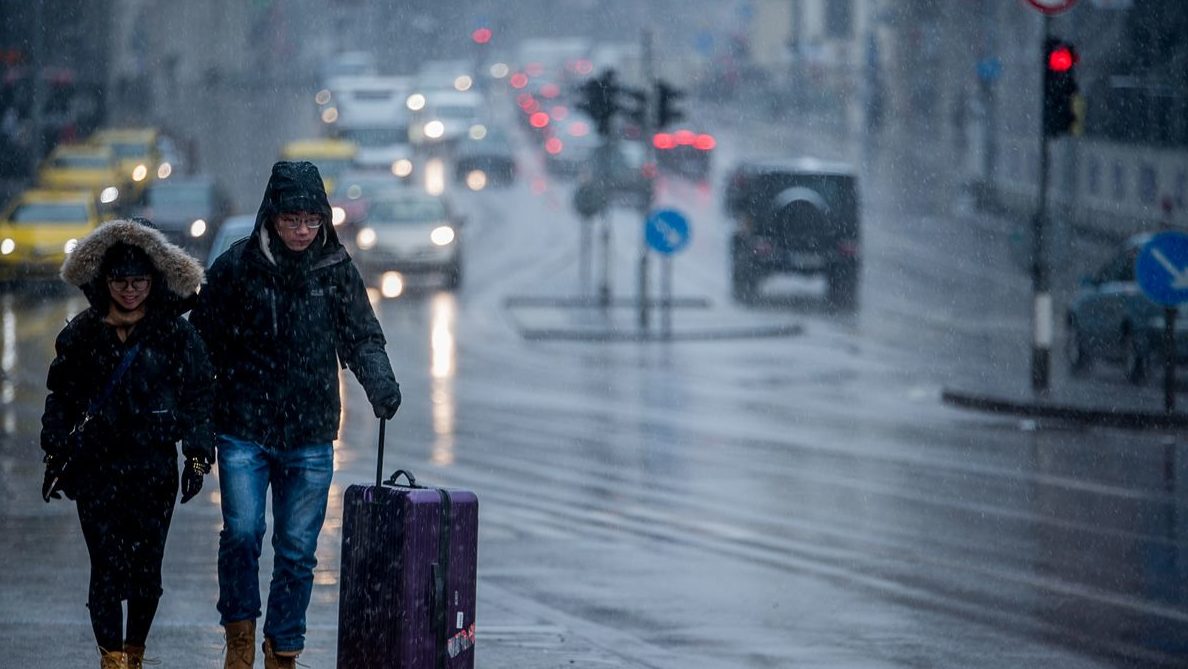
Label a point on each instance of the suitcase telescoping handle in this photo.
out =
(379, 467)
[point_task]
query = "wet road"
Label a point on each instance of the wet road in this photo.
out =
(802, 501)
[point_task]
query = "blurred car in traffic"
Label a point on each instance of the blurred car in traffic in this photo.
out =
(446, 117)
(569, 148)
(347, 64)
(39, 227)
(332, 156)
(137, 154)
(189, 210)
(352, 196)
(411, 233)
(1110, 319)
(79, 166)
(795, 217)
(233, 229)
(485, 157)
(684, 152)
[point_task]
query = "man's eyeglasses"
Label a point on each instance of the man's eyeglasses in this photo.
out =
(295, 222)
(134, 282)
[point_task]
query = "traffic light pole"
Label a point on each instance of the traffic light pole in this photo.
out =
(1041, 346)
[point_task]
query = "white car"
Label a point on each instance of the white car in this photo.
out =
(446, 117)
(410, 233)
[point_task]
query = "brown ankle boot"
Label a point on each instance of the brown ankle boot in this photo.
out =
(279, 659)
(112, 659)
(134, 656)
(241, 644)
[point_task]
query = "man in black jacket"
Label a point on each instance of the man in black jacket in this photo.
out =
(279, 311)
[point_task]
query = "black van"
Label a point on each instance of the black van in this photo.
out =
(794, 216)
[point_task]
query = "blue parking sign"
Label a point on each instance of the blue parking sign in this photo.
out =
(1161, 269)
(666, 231)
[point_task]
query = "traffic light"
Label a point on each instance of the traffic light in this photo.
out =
(599, 100)
(1062, 106)
(666, 109)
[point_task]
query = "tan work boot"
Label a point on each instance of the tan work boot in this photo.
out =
(279, 660)
(135, 657)
(112, 659)
(241, 644)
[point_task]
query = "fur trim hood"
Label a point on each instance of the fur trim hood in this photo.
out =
(182, 273)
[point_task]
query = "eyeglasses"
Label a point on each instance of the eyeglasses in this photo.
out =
(292, 222)
(135, 283)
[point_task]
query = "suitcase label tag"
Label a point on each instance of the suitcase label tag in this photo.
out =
(460, 642)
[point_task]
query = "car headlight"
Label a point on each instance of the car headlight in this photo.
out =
(70, 245)
(164, 170)
(402, 168)
(392, 284)
(434, 129)
(140, 172)
(7, 246)
(442, 235)
(366, 238)
(109, 195)
(476, 180)
(337, 215)
(198, 228)
(415, 102)
(330, 115)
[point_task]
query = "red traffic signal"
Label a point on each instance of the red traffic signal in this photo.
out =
(481, 35)
(1061, 58)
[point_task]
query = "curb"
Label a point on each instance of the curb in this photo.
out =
(581, 302)
(617, 336)
(1100, 417)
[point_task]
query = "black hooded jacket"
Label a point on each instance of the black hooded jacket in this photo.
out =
(277, 323)
(165, 395)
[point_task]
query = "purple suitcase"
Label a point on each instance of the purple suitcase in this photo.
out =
(409, 568)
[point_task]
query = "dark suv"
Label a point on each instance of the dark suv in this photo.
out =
(794, 216)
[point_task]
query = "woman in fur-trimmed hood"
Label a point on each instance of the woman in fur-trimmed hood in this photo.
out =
(135, 375)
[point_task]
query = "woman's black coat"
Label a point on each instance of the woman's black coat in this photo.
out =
(166, 394)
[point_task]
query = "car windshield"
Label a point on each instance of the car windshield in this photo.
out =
(130, 149)
(353, 189)
(407, 210)
(456, 111)
(332, 166)
(51, 212)
(82, 162)
(376, 136)
(177, 195)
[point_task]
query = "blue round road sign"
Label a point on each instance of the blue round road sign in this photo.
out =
(1161, 269)
(666, 231)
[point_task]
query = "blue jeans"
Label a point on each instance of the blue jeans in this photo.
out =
(300, 479)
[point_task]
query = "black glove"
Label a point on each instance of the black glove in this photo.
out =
(191, 482)
(386, 408)
(51, 485)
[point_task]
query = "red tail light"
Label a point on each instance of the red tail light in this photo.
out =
(519, 80)
(539, 119)
(554, 145)
(684, 137)
(705, 142)
(663, 140)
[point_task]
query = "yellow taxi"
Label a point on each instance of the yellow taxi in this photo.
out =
(39, 227)
(332, 156)
(83, 167)
(137, 155)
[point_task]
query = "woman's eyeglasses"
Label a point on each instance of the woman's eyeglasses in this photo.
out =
(295, 222)
(134, 282)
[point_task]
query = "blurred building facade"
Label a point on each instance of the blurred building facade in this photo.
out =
(966, 75)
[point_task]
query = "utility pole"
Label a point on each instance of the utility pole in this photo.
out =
(650, 159)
